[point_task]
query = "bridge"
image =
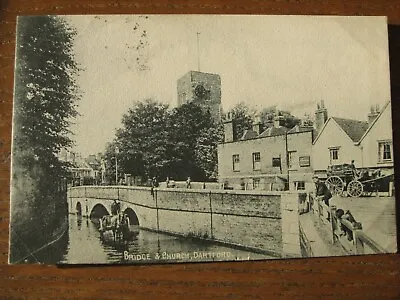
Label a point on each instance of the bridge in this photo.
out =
(260, 221)
(264, 222)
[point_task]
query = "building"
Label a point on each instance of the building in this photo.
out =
(376, 144)
(82, 171)
(368, 143)
(266, 160)
(203, 89)
(336, 143)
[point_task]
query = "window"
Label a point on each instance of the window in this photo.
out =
(276, 162)
(256, 161)
(292, 159)
(385, 153)
(236, 162)
(256, 183)
(304, 161)
(334, 154)
(299, 185)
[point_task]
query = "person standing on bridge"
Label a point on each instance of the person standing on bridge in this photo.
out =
(322, 193)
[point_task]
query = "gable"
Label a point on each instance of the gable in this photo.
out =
(384, 116)
(332, 134)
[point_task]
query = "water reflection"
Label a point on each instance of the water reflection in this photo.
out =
(83, 244)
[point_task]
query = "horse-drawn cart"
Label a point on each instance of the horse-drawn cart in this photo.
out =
(345, 178)
(115, 229)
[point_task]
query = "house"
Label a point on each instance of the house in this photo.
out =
(376, 144)
(266, 160)
(82, 171)
(336, 143)
(368, 143)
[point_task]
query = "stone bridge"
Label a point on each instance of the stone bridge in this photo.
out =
(266, 222)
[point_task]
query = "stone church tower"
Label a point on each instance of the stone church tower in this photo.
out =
(204, 89)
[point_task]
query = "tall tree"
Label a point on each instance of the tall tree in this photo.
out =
(188, 128)
(45, 102)
(142, 139)
(206, 150)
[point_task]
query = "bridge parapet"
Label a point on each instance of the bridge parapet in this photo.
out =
(341, 234)
(261, 220)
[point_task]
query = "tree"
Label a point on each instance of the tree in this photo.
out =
(242, 116)
(190, 137)
(45, 102)
(206, 150)
(156, 141)
(142, 139)
(267, 116)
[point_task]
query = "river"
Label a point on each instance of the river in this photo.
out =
(82, 244)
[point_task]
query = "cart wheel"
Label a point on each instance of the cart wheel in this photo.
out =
(354, 188)
(335, 185)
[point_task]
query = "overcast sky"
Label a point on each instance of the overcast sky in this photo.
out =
(289, 61)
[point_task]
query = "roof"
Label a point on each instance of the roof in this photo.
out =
(373, 123)
(81, 165)
(248, 134)
(299, 128)
(273, 131)
(353, 128)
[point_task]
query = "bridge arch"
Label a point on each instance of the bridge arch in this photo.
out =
(98, 211)
(78, 209)
(133, 218)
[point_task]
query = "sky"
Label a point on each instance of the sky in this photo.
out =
(289, 61)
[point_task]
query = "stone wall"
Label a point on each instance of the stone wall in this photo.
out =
(258, 220)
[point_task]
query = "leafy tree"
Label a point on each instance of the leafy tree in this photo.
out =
(188, 140)
(205, 151)
(45, 102)
(156, 141)
(267, 116)
(142, 139)
(242, 116)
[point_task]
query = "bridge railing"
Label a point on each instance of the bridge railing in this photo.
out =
(349, 235)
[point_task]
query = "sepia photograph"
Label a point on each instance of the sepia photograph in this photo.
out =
(146, 139)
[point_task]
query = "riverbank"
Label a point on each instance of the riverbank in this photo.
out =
(35, 256)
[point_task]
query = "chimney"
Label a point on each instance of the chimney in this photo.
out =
(374, 112)
(257, 125)
(321, 116)
(278, 121)
(306, 121)
(228, 128)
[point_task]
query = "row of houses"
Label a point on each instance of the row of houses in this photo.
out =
(278, 158)
(82, 170)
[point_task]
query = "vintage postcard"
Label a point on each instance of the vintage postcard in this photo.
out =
(144, 139)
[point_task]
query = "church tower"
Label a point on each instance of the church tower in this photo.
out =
(203, 89)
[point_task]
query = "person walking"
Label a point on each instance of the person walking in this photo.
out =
(188, 183)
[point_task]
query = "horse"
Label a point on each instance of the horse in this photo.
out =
(118, 224)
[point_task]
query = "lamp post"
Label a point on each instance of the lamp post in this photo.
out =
(116, 164)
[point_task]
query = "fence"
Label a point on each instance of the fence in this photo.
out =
(351, 236)
(348, 233)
